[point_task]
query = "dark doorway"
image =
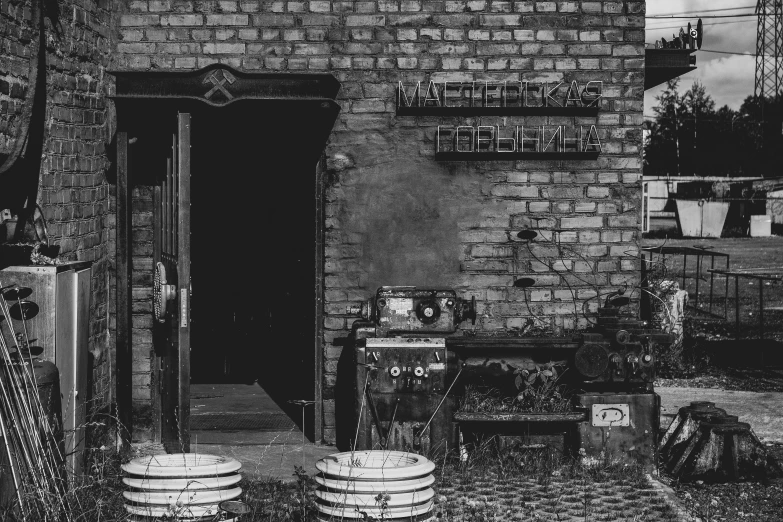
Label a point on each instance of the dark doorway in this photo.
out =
(256, 257)
(254, 254)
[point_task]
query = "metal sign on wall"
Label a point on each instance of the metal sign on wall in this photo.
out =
(507, 98)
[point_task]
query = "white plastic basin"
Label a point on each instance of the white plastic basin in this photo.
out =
(186, 486)
(387, 485)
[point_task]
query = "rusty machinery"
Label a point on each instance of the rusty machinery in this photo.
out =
(403, 372)
(410, 352)
(617, 362)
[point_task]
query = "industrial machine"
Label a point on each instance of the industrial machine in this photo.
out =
(402, 371)
(617, 361)
(409, 310)
(413, 361)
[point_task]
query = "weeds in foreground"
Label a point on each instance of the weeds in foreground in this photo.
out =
(492, 484)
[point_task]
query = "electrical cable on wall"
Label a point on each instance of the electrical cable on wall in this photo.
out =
(561, 257)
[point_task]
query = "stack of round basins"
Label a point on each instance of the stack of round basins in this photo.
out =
(180, 486)
(387, 485)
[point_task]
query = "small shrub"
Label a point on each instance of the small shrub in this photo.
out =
(538, 391)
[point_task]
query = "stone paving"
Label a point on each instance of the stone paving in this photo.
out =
(462, 498)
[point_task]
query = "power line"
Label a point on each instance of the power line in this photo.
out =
(727, 52)
(708, 10)
(653, 26)
(726, 121)
(705, 25)
(664, 20)
(661, 17)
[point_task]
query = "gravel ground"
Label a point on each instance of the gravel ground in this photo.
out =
(748, 501)
(736, 379)
(751, 501)
(744, 501)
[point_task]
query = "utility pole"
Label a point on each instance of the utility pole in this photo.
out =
(769, 74)
(769, 45)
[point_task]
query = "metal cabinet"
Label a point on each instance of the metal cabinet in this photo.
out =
(61, 328)
(620, 427)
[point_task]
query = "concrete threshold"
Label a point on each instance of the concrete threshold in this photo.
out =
(263, 454)
(272, 461)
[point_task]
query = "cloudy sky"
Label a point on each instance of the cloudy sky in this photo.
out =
(727, 78)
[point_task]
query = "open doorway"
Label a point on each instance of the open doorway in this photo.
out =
(236, 224)
(253, 264)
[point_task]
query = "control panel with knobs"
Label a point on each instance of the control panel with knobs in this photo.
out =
(401, 381)
(404, 365)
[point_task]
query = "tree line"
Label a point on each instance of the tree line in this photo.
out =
(688, 136)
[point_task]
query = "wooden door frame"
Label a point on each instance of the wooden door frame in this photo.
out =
(183, 275)
(140, 98)
(124, 311)
(124, 264)
(320, 260)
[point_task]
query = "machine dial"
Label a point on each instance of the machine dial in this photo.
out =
(623, 337)
(395, 371)
(419, 371)
(428, 311)
(591, 360)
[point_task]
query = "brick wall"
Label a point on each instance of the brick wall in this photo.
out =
(73, 193)
(394, 214)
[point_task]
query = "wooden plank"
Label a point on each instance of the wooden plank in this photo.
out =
(167, 331)
(157, 219)
(175, 192)
(165, 208)
(83, 279)
(124, 329)
(579, 416)
(183, 272)
(170, 207)
(318, 433)
(65, 355)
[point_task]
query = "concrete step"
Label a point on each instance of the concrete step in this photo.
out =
(247, 437)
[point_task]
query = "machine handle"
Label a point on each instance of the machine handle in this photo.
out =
(468, 310)
(376, 419)
(445, 395)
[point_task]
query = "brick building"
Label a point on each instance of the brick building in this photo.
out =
(288, 198)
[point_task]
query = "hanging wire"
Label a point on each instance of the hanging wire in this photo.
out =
(710, 24)
(668, 17)
(698, 11)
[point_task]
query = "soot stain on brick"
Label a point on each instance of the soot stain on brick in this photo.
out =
(408, 214)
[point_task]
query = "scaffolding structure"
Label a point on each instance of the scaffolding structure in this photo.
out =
(769, 45)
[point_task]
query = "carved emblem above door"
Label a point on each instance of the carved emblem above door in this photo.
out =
(219, 85)
(219, 78)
